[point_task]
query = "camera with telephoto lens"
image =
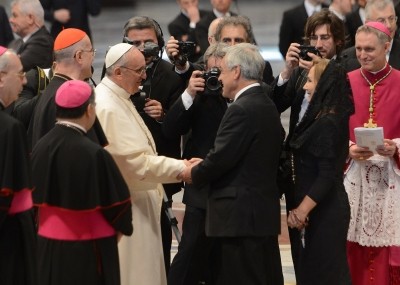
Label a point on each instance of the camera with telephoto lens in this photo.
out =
(305, 49)
(150, 49)
(186, 49)
(211, 78)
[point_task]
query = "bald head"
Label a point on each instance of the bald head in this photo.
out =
(211, 30)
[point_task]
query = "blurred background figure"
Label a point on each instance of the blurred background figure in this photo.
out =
(354, 20)
(341, 8)
(70, 14)
(35, 45)
(6, 35)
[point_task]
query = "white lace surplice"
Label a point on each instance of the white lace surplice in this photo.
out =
(373, 187)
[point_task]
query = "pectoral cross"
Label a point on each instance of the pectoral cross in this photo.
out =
(370, 124)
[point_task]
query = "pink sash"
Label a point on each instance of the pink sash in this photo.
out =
(21, 202)
(63, 224)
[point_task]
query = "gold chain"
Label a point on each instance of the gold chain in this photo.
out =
(371, 123)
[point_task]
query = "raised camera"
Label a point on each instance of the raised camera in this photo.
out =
(211, 78)
(186, 49)
(305, 49)
(150, 49)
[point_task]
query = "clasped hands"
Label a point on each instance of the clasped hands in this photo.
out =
(186, 174)
(297, 219)
(389, 149)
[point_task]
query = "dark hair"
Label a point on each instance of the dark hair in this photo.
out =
(235, 21)
(74, 113)
(335, 25)
(143, 22)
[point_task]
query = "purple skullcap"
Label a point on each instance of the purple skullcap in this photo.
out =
(380, 27)
(73, 93)
(2, 50)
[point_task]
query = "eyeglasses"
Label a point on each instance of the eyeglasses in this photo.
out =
(322, 38)
(139, 71)
(20, 74)
(390, 20)
(93, 51)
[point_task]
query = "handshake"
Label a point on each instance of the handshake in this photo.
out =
(186, 174)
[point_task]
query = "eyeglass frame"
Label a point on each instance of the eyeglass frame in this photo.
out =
(322, 38)
(93, 51)
(139, 71)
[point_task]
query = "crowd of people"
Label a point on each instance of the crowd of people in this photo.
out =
(87, 172)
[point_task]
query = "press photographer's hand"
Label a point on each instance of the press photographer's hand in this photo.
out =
(196, 83)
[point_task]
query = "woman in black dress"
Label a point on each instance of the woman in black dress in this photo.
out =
(319, 147)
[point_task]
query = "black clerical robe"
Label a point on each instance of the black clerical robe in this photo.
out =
(44, 116)
(17, 234)
(83, 201)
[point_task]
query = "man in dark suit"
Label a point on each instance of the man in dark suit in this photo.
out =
(6, 35)
(159, 91)
(354, 20)
(35, 45)
(196, 114)
(293, 22)
(220, 9)
(380, 11)
(243, 209)
(70, 14)
(183, 26)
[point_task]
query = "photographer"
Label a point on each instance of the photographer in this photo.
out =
(199, 110)
(326, 32)
(160, 90)
(230, 30)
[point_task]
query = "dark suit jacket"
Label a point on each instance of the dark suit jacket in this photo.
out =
(201, 30)
(241, 170)
(201, 122)
(6, 35)
(353, 21)
(79, 10)
(165, 86)
(292, 27)
(36, 51)
(351, 63)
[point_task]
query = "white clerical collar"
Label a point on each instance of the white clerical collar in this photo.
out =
(220, 15)
(244, 89)
(361, 12)
(65, 122)
(340, 15)
(26, 38)
(310, 8)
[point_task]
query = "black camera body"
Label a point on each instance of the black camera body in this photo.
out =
(211, 79)
(305, 49)
(151, 49)
(186, 49)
